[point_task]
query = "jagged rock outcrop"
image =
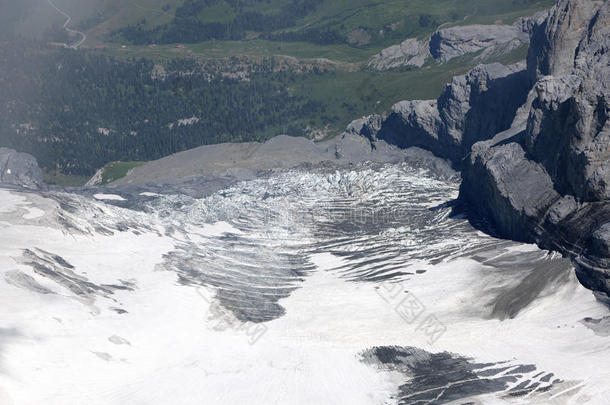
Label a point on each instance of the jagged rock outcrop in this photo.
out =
(555, 40)
(471, 107)
(489, 41)
(19, 169)
(527, 24)
(409, 53)
(450, 43)
(366, 126)
(509, 188)
(533, 141)
(549, 181)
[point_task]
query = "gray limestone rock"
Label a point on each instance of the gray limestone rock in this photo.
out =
(554, 41)
(20, 169)
(527, 24)
(568, 130)
(501, 183)
(450, 43)
(366, 126)
(490, 41)
(601, 240)
(473, 107)
(533, 142)
(549, 182)
(409, 53)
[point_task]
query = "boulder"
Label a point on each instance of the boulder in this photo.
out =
(20, 169)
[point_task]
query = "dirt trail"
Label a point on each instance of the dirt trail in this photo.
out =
(71, 31)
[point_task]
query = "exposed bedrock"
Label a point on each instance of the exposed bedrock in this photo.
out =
(548, 182)
(533, 142)
(483, 42)
(450, 43)
(20, 169)
(554, 41)
(472, 106)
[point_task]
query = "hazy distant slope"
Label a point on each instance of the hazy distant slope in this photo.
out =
(358, 22)
(302, 75)
(37, 18)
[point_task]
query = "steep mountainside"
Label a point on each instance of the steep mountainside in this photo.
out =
(533, 141)
(563, 201)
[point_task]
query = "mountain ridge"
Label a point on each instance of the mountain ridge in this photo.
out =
(532, 141)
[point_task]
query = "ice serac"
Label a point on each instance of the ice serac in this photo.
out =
(472, 106)
(547, 181)
(20, 169)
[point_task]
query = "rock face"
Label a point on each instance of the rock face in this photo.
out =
(555, 40)
(533, 141)
(409, 53)
(549, 182)
(514, 206)
(527, 24)
(450, 43)
(471, 107)
(19, 169)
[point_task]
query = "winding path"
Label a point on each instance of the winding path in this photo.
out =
(71, 31)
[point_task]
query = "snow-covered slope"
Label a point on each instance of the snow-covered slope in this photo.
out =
(299, 287)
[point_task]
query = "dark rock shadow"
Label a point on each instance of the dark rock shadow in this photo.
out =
(440, 378)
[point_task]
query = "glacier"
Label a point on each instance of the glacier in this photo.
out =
(311, 285)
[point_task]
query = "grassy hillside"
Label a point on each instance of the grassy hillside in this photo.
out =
(294, 67)
(117, 170)
(361, 23)
(35, 18)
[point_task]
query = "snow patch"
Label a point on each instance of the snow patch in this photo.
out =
(33, 213)
(110, 197)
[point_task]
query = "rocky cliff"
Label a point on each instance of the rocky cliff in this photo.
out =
(19, 169)
(450, 43)
(472, 106)
(549, 182)
(533, 141)
(483, 41)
